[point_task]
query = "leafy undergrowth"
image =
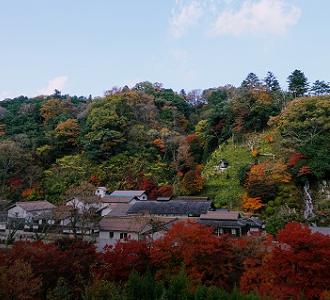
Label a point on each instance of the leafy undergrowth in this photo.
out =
(224, 185)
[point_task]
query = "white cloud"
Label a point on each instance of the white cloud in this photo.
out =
(225, 17)
(184, 15)
(57, 83)
(257, 17)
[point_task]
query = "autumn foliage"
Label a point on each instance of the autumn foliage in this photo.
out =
(192, 182)
(263, 180)
(206, 257)
(251, 204)
(294, 265)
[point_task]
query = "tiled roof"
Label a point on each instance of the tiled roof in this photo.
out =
(191, 198)
(90, 199)
(221, 215)
(170, 207)
(124, 224)
(119, 209)
(117, 199)
(223, 223)
(136, 193)
(35, 205)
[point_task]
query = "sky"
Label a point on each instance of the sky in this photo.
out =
(87, 47)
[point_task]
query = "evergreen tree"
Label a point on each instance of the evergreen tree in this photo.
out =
(298, 83)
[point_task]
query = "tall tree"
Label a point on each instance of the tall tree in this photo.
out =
(251, 82)
(272, 83)
(298, 83)
(320, 87)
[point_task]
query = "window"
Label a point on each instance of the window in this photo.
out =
(111, 234)
(123, 235)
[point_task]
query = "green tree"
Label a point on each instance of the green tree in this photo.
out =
(179, 287)
(298, 83)
(304, 120)
(320, 88)
(272, 83)
(108, 123)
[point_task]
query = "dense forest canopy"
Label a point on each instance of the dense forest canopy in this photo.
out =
(152, 138)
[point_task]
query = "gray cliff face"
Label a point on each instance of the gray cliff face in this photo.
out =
(320, 194)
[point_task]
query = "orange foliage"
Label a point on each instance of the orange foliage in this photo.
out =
(255, 152)
(183, 122)
(270, 171)
(69, 130)
(251, 204)
(160, 144)
(2, 129)
(53, 107)
(94, 180)
(270, 138)
(192, 182)
(199, 167)
(263, 179)
(27, 192)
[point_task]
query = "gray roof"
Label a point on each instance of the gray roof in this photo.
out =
(117, 199)
(35, 205)
(221, 215)
(223, 223)
(170, 207)
(128, 193)
(192, 198)
(128, 224)
(119, 209)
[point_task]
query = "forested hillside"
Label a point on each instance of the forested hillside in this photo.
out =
(167, 143)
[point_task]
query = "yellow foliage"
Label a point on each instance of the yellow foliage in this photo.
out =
(251, 204)
(255, 152)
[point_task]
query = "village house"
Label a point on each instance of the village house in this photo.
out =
(110, 202)
(86, 203)
(118, 197)
(32, 214)
(137, 227)
(113, 229)
(229, 222)
(136, 194)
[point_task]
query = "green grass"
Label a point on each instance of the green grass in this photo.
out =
(223, 186)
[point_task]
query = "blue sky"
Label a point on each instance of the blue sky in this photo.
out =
(83, 47)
